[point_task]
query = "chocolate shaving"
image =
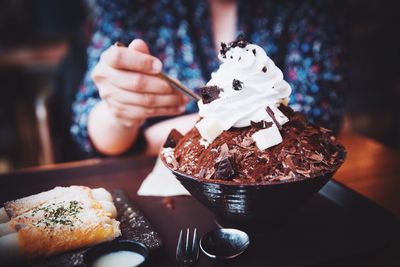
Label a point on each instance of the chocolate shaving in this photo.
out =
(237, 85)
(254, 51)
(290, 163)
(315, 157)
(305, 173)
(247, 141)
(224, 152)
(209, 93)
(224, 49)
(233, 151)
(173, 138)
(264, 69)
(285, 178)
(272, 115)
(324, 130)
(297, 124)
(224, 148)
(209, 173)
(288, 111)
(201, 173)
(261, 124)
(240, 42)
(225, 169)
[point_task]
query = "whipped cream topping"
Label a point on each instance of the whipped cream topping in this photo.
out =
(249, 81)
(236, 108)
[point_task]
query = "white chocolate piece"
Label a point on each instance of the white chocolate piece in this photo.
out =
(209, 129)
(6, 229)
(266, 138)
(109, 207)
(3, 216)
(10, 249)
(101, 194)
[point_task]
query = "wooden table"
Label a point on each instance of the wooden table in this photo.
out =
(370, 169)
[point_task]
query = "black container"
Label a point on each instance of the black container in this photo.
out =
(255, 206)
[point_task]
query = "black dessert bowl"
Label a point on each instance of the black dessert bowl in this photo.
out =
(252, 207)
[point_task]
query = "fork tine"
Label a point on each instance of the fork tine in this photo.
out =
(187, 239)
(187, 250)
(179, 246)
(195, 247)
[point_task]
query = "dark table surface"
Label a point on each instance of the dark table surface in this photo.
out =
(370, 169)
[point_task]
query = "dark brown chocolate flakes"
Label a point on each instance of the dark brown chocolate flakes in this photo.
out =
(254, 52)
(224, 153)
(247, 141)
(240, 42)
(225, 169)
(201, 173)
(209, 173)
(261, 124)
(224, 49)
(173, 138)
(264, 69)
(209, 93)
(315, 156)
(272, 115)
(290, 164)
(237, 85)
(234, 153)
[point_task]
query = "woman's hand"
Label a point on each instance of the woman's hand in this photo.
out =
(130, 93)
(125, 79)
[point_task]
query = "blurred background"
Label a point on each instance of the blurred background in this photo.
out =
(43, 59)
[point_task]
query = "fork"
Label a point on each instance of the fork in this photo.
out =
(187, 253)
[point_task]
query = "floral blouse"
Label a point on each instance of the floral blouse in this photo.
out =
(304, 38)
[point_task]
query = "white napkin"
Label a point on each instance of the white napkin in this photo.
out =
(161, 182)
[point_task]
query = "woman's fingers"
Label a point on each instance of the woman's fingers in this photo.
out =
(131, 59)
(132, 81)
(132, 112)
(138, 82)
(127, 84)
(109, 90)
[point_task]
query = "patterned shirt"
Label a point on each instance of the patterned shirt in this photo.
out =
(304, 38)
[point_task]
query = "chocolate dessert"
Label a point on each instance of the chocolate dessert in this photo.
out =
(246, 134)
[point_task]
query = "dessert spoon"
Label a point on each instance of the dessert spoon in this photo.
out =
(224, 243)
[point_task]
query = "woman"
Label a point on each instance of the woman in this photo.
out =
(119, 105)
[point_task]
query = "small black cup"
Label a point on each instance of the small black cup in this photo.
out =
(97, 251)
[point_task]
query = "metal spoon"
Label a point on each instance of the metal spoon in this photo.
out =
(224, 243)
